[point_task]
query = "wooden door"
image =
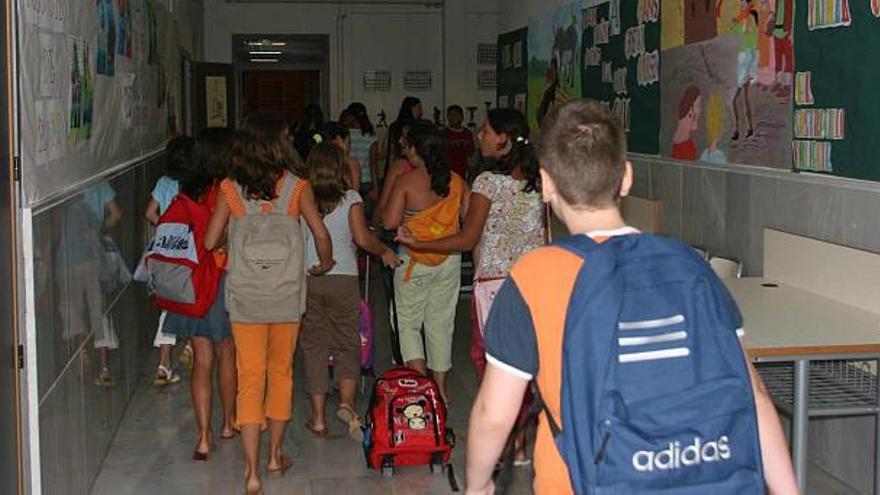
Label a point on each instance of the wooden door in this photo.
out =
(284, 91)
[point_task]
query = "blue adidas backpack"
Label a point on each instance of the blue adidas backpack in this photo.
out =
(656, 395)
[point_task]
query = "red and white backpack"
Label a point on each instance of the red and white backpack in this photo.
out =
(182, 275)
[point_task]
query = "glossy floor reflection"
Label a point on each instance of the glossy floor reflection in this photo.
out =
(152, 449)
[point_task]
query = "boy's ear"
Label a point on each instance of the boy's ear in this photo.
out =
(548, 187)
(627, 182)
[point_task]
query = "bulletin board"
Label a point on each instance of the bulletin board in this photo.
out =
(837, 104)
(513, 72)
(99, 88)
(621, 66)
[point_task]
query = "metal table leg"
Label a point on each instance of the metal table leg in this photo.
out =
(800, 420)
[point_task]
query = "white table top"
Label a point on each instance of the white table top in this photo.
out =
(785, 321)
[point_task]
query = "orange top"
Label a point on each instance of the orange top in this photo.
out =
(229, 190)
(440, 220)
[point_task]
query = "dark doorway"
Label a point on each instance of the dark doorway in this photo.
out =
(284, 91)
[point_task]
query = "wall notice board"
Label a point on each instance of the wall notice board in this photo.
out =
(513, 71)
(621, 67)
(836, 101)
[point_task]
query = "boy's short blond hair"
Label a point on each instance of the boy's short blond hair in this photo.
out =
(583, 149)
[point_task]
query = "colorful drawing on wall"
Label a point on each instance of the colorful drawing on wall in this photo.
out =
(728, 97)
(554, 62)
(129, 99)
(622, 70)
(124, 38)
(835, 117)
(82, 91)
(215, 96)
(48, 14)
(50, 64)
(823, 14)
(106, 42)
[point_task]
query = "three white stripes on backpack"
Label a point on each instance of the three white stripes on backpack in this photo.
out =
(634, 357)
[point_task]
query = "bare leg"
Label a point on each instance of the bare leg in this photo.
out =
(276, 438)
(225, 352)
(165, 355)
(519, 446)
(748, 109)
(418, 365)
(201, 388)
(440, 379)
(250, 441)
(318, 420)
(348, 393)
(736, 114)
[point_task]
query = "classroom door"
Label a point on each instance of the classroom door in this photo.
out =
(284, 91)
(10, 440)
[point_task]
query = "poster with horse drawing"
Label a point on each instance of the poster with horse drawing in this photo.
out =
(554, 63)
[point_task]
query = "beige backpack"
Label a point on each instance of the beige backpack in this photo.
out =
(266, 271)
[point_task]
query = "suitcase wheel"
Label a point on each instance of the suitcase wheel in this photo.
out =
(387, 466)
(436, 465)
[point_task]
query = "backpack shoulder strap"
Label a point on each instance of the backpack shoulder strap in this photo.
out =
(581, 245)
(286, 193)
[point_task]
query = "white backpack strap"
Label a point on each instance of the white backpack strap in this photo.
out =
(285, 195)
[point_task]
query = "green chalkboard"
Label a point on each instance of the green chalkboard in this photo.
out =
(644, 99)
(843, 64)
(513, 71)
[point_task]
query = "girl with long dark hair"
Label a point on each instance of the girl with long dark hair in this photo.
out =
(428, 203)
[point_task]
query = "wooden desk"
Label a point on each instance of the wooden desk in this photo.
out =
(821, 337)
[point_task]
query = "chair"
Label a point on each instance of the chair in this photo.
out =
(726, 267)
(703, 252)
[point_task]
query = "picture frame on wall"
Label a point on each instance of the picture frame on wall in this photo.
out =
(217, 111)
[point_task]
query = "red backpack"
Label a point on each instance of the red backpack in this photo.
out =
(406, 423)
(182, 274)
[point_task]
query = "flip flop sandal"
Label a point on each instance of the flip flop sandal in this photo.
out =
(353, 421)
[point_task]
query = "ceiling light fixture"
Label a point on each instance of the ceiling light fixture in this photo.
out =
(265, 52)
(264, 60)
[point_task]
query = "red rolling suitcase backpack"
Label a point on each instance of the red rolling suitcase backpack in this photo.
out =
(406, 424)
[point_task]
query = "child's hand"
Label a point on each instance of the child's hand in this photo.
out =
(390, 259)
(404, 236)
(322, 268)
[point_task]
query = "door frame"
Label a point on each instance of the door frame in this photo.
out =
(323, 68)
(12, 359)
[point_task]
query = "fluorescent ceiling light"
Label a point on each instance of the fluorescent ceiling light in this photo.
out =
(266, 52)
(264, 60)
(266, 43)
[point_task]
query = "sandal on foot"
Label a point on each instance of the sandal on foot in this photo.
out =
(165, 376)
(286, 464)
(353, 421)
(186, 356)
(105, 379)
(320, 433)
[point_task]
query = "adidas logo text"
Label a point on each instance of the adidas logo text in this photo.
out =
(676, 457)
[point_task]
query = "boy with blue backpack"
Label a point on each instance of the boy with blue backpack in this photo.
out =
(632, 342)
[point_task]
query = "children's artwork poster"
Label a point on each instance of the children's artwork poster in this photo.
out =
(513, 74)
(622, 70)
(50, 129)
(727, 77)
(47, 14)
(51, 56)
(836, 98)
(125, 34)
(215, 96)
(106, 41)
(152, 33)
(554, 40)
(82, 90)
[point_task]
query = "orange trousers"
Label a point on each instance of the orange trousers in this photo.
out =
(264, 358)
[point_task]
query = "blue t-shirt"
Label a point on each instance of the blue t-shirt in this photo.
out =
(164, 192)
